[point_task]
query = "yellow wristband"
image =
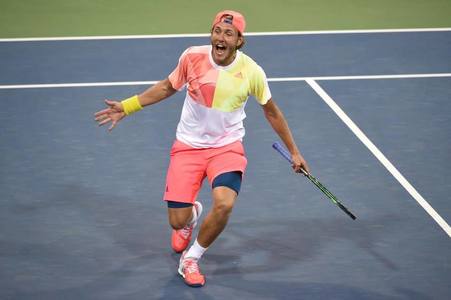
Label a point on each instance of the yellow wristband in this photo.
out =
(131, 105)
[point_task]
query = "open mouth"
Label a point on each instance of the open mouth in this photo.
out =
(220, 49)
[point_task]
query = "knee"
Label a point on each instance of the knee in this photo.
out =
(177, 224)
(223, 209)
(224, 200)
(179, 217)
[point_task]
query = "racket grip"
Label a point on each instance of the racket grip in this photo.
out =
(279, 148)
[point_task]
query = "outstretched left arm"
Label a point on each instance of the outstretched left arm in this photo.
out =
(278, 122)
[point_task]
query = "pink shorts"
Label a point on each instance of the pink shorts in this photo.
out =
(189, 166)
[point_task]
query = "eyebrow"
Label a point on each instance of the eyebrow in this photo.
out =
(223, 29)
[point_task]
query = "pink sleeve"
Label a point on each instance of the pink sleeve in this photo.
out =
(178, 77)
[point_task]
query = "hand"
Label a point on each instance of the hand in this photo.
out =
(114, 113)
(300, 164)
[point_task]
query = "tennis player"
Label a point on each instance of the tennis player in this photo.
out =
(219, 78)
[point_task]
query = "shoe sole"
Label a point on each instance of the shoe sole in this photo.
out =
(195, 285)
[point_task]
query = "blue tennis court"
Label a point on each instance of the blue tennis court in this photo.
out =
(81, 212)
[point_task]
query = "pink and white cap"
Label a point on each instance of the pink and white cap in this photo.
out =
(231, 17)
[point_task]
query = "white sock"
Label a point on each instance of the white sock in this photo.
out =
(196, 251)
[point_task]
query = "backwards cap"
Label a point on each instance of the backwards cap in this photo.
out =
(231, 17)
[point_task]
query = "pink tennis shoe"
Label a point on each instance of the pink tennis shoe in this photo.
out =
(181, 238)
(189, 269)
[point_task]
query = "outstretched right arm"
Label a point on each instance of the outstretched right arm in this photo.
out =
(156, 93)
(116, 111)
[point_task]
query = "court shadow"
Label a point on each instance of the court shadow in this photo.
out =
(310, 290)
(277, 245)
(176, 289)
(76, 243)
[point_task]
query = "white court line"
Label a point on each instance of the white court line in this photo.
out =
(380, 156)
(360, 77)
(275, 79)
(76, 84)
(187, 35)
(312, 82)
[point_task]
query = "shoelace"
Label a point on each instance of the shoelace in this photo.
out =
(186, 231)
(191, 266)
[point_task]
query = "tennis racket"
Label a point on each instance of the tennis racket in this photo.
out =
(277, 146)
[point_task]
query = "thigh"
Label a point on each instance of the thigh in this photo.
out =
(186, 171)
(226, 159)
(232, 180)
(224, 199)
(179, 217)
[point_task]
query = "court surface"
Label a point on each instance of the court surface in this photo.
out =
(81, 211)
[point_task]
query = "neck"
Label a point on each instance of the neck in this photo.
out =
(227, 61)
(231, 59)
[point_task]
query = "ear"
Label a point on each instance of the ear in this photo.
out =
(240, 41)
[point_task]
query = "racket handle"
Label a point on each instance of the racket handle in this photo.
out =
(279, 148)
(284, 152)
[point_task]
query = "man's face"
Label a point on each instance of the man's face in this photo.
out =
(224, 42)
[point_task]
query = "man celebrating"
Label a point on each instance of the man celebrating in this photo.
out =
(219, 79)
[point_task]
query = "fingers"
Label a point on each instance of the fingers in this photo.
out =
(300, 165)
(305, 167)
(104, 121)
(107, 120)
(102, 115)
(113, 124)
(110, 103)
(112, 107)
(102, 112)
(302, 170)
(296, 167)
(299, 169)
(113, 113)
